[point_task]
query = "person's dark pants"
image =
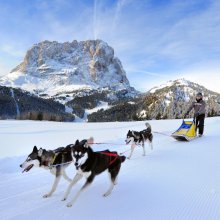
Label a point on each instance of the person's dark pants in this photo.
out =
(200, 123)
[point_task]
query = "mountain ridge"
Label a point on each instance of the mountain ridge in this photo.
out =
(84, 75)
(68, 67)
(168, 101)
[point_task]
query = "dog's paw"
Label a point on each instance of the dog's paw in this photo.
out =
(46, 196)
(69, 204)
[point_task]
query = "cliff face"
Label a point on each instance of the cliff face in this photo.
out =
(72, 73)
(52, 67)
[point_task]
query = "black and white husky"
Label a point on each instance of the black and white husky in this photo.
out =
(90, 164)
(50, 160)
(139, 137)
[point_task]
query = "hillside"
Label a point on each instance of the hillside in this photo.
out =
(170, 100)
(19, 104)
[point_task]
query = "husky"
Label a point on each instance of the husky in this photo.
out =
(56, 161)
(139, 137)
(90, 164)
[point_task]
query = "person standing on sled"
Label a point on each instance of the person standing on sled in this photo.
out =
(199, 112)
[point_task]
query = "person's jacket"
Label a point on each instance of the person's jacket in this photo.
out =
(199, 107)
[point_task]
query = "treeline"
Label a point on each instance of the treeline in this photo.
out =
(151, 106)
(44, 116)
(79, 104)
(120, 112)
(30, 107)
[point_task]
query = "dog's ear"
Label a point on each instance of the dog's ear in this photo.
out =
(77, 142)
(90, 140)
(86, 144)
(40, 152)
(35, 149)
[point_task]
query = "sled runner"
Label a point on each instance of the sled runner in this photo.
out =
(186, 132)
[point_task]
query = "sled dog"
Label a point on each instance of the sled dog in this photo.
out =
(139, 137)
(53, 160)
(90, 164)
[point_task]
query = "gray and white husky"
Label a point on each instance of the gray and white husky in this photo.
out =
(50, 160)
(140, 137)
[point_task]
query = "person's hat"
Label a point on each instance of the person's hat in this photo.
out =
(199, 94)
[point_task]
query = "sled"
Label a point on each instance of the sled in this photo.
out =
(186, 132)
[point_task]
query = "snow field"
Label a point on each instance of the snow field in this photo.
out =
(177, 180)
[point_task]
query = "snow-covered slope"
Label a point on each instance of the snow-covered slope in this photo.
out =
(181, 82)
(177, 180)
(53, 68)
(171, 100)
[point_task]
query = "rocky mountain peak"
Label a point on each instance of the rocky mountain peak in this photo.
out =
(68, 66)
(178, 83)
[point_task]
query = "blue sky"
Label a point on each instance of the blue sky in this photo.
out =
(156, 40)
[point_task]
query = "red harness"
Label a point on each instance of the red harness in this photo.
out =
(111, 155)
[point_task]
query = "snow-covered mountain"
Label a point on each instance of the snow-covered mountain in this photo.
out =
(53, 69)
(84, 75)
(170, 100)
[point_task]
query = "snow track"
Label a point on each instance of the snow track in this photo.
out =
(177, 180)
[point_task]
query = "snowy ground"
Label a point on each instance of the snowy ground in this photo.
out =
(177, 180)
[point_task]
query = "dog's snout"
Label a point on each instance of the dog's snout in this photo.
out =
(21, 165)
(76, 164)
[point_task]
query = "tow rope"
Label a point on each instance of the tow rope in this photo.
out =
(59, 164)
(107, 143)
(157, 132)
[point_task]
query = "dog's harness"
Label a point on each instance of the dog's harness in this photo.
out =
(140, 138)
(51, 164)
(111, 155)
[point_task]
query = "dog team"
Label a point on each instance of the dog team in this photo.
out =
(88, 163)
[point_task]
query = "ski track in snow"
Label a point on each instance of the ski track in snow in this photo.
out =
(175, 181)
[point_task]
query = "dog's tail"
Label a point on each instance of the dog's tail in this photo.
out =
(122, 158)
(148, 126)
